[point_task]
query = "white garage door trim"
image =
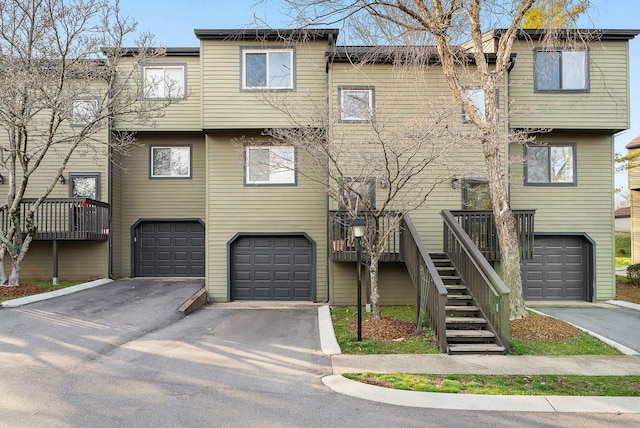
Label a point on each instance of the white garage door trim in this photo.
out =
(230, 262)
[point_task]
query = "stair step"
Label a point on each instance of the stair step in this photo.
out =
(459, 297)
(465, 320)
(458, 287)
(460, 308)
(475, 348)
(470, 334)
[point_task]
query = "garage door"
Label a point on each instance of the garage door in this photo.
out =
(559, 270)
(169, 249)
(272, 268)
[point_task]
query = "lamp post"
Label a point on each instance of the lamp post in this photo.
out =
(358, 227)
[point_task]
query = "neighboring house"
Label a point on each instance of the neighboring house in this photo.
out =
(187, 201)
(623, 219)
(633, 176)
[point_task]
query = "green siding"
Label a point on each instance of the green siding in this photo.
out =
(225, 106)
(233, 208)
(587, 207)
(145, 198)
(605, 106)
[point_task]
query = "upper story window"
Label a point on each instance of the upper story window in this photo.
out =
(268, 69)
(84, 185)
(551, 164)
(561, 70)
(170, 162)
(265, 165)
(83, 111)
(476, 96)
(162, 81)
(356, 103)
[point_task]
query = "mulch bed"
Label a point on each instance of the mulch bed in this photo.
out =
(10, 292)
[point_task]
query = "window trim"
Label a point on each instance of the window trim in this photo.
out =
(372, 103)
(163, 65)
(244, 50)
(573, 183)
(170, 177)
(75, 124)
(264, 145)
(73, 175)
(587, 79)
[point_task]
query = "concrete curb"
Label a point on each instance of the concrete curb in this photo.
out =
(511, 403)
(624, 304)
(328, 341)
(21, 301)
(195, 302)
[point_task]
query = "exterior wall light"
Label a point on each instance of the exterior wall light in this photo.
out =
(455, 181)
(61, 179)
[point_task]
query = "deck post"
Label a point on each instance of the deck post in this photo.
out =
(55, 262)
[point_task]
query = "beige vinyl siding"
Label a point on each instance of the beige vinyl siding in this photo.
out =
(605, 106)
(145, 198)
(182, 115)
(76, 260)
(117, 246)
(633, 176)
(237, 208)
(587, 207)
(226, 106)
(400, 96)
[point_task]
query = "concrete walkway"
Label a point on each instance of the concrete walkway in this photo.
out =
(477, 364)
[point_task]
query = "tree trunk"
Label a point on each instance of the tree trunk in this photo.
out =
(16, 269)
(506, 229)
(373, 279)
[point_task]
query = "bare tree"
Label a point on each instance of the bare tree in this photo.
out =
(380, 168)
(64, 76)
(446, 24)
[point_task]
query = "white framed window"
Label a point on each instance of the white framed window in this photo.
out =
(561, 70)
(356, 103)
(83, 111)
(162, 81)
(268, 69)
(551, 164)
(170, 162)
(266, 165)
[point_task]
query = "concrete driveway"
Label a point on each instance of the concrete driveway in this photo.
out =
(621, 325)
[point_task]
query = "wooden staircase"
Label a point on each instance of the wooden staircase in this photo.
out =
(467, 330)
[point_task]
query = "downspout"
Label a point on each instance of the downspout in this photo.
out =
(327, 202)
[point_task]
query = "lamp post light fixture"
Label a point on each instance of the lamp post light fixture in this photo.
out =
(358, 227)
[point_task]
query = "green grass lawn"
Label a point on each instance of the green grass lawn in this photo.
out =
(623, 249)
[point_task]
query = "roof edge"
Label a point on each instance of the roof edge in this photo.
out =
(268, 34)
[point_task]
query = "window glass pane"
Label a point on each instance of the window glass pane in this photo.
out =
(476, 96)
(153, 82)
(161, 161)
(258, 164)
(574, 70)
(280, 70)
(83, 111)
(282, 165)
(256, 69)
(174, 81)
(476, 196)
(355, 104)
(84, 187)
(561, 164)
(538, 164)
(180, 162)
(548, 70)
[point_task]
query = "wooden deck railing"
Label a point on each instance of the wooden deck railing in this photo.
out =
(488, 289)
(79, 219)
(431, 293)
(481, 228)
(342, 243)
